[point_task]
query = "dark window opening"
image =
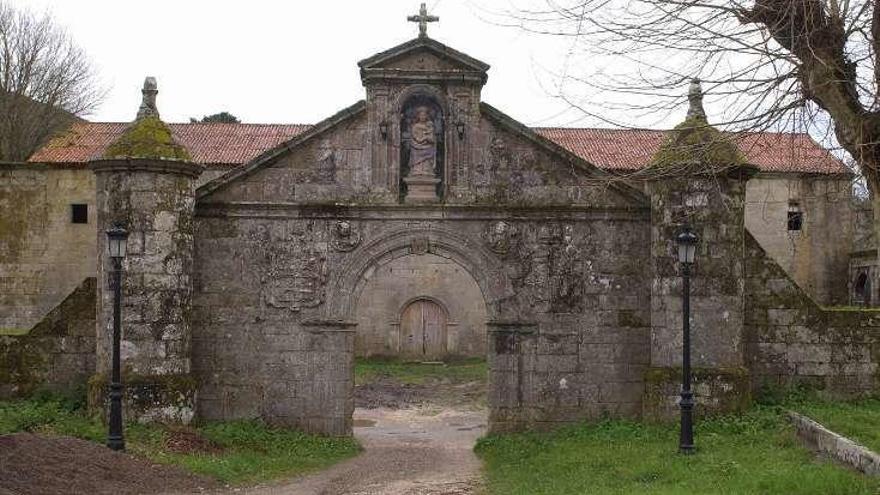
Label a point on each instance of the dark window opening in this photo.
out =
(863, 289)
(795, 217)
(79, 213)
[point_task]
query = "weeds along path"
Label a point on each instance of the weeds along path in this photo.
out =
(412, 451)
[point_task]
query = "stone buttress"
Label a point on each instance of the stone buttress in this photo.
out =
(698, 178)
(146, 182)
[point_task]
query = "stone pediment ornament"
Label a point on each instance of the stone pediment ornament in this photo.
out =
(420, 245)
(385, 66)
(346, 236)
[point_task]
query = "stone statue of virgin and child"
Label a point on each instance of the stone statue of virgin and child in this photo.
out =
(422, 144)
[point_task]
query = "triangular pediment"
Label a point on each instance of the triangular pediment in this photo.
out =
(423, 58)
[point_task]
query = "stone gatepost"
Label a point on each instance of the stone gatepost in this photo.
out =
(146, 182)
(698, 178)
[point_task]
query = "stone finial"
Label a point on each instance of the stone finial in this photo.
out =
(695, 100)
(148, 104)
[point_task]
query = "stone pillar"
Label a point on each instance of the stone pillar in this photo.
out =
(713, 205)
(154, 199)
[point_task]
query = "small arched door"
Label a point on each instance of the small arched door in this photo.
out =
(423, 330)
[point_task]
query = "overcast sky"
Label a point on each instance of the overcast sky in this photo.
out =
(293, 61)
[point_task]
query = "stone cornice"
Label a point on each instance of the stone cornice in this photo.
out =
(427, 43)
(432, 212)
(415, 76)
(154, 165)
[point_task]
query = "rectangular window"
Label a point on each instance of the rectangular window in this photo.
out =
(79, 213)
(795, 217)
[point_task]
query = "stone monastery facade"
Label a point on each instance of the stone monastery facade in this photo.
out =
(425, 223)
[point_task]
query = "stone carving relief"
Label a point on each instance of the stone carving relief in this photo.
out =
(505, 169)
(296, 272)
(505, 240)
(301, 285)
(566, 271)
(420, 245)
(501, 237)
(345, 236)
(325, 172)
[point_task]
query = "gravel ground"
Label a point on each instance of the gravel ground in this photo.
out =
(41, 465)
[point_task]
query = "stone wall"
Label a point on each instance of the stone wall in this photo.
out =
(154, 200)
(43, 255)
(816, 256)
(712, 206)
(58, 353)
(792, 340)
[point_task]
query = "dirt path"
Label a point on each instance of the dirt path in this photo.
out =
(407, 452)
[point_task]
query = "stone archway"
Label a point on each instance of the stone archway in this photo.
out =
(345, 287)
(348, 282)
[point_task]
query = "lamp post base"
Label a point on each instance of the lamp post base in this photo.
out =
(686, 437)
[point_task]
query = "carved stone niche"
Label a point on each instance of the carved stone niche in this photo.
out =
(421, 150)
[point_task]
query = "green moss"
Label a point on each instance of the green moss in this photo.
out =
(695, 143)
(726, 390)
(145, 392)
(147, 138)
(23, 364)
(14, 331)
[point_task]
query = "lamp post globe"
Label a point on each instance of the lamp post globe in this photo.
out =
(687, 248)
(117, 238)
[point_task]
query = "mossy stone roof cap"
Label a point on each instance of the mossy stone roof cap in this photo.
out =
(147, 137)
(695, 142)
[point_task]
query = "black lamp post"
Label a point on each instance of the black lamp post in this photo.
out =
(687, 247)
(116, 243)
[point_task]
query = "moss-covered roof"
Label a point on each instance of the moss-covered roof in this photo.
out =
(147, 137)
(696, 144)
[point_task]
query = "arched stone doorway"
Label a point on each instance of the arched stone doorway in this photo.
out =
(420, 306)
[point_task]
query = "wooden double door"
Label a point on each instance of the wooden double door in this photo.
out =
(423, 330)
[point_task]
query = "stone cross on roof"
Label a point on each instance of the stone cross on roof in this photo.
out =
(423, 19)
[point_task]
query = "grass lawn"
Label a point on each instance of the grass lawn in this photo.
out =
(753, 454)
(367, 370)
(856, 420)
(242, 451)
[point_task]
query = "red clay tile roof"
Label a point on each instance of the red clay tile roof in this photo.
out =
(208, 143)
(632, 149)
(613, 149)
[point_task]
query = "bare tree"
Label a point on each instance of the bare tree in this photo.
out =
(46, 81)
(782, 64)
